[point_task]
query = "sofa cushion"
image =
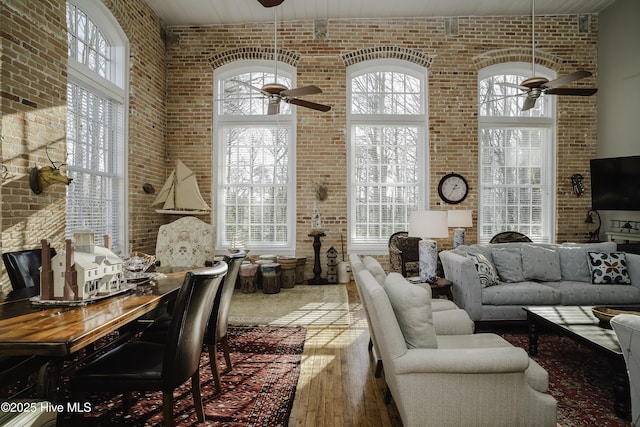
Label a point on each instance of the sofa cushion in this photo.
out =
(608, 268)
(486, 271)
(580, 293)
(540, 263)
(523, 293)
(375, 269)
(412, 307)
(508, 264)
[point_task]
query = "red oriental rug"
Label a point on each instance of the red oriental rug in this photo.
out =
(259, 391)
(579, 379)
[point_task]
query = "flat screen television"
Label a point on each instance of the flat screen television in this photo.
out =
(615, 184)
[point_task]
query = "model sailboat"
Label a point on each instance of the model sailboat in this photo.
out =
(180, 194)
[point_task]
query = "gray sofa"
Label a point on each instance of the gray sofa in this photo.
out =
(538, 274)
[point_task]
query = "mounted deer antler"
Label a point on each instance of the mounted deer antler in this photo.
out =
(41, 178)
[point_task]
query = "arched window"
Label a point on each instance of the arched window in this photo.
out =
(96, 122)
(254, 158)
(517, 156)
(387, 150)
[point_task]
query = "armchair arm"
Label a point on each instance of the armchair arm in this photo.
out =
(462, 361)
(466, 289)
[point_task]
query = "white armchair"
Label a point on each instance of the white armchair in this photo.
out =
(627, 329)
(186, 242)
(477, 379)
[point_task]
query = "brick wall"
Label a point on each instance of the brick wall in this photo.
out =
(321, 151)
(33, 82)
(171, 108)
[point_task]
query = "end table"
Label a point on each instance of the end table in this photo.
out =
(441, 287)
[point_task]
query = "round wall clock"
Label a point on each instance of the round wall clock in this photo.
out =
(453, 188)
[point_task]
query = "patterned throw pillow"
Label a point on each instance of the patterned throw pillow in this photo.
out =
(608, 268)
(486, 271)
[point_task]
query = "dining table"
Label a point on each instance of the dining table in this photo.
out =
(61, 331)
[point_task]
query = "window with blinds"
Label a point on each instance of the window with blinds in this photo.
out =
(255, 188)
(517, 157)
(386, 151)
(96, 103)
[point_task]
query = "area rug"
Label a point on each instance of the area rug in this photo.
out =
(579, 379)
(302, 305)
(259, 391)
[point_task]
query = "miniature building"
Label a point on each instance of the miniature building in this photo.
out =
(81, 271)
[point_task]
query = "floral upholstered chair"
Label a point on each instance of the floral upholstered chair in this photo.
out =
(395, 259)
(186, 242)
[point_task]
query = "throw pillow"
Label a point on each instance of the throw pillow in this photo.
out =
(486, 271)
(540, 263)
(508, 263)
(609, 268)
(375, 269)
(412, 307)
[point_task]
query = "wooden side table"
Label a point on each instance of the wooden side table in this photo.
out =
(441, 287)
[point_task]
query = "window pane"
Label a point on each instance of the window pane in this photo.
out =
(256, 178)
(241, 94)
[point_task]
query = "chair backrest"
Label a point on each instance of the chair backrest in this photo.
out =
(23, 267)
(194, 304)
(395, 260)
(509, 237)
(627, 327)
(186, 242)
(217, 326)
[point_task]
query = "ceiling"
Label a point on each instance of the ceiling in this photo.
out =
(216, 12)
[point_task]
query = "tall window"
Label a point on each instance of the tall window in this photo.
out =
(255, 180)
(387, 150)
(96, 114)
(517, 156)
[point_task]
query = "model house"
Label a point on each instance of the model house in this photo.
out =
(81, 271)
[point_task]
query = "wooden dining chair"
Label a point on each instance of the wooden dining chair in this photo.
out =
(151, 366)
(218, 321)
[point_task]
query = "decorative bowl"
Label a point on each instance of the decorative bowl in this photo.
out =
(605, 314)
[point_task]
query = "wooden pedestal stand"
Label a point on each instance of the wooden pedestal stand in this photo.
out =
(317, 269)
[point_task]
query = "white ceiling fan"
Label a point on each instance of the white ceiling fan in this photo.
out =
(534, 87)
(277, 92)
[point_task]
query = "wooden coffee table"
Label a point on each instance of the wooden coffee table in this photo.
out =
(580, 324)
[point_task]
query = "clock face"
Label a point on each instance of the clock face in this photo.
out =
(453, 188)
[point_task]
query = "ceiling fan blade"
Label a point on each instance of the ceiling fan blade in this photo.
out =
(270, 3)
(503, 97)
(257, 89)
(301, 91)
(309, 104)
(515, 86)
(561, 81)
(572, 91)
(529, 103)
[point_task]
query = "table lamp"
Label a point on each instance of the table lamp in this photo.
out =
(428, 225)
(459, 220)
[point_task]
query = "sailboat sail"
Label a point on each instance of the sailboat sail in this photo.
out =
(180, 193)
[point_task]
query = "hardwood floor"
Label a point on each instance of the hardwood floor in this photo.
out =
(337, 386)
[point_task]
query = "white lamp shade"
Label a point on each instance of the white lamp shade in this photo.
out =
(460, 219)
(428, 224)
